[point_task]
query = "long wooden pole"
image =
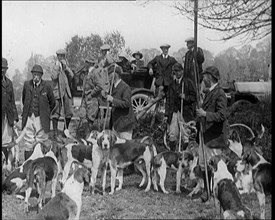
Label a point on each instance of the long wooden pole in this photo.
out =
(201, 141)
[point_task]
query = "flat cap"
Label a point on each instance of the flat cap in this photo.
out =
(213, 71)
(114, 68)
(91, 60)
(137, 53)
(189, 39)
(177, 67)
(123, 54)
(165, 46)
(105, 47)
(4, 63)
(37, 68)
(61, 52)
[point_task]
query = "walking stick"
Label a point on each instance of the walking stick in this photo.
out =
(181, 116)
(201, 141)
(108, 104)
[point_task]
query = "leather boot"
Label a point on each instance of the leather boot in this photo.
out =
(67, 121)
(55, 130)
(205, 196)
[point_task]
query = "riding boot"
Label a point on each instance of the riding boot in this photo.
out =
(67, 121)
(55, 130)
(173, 145)
(205, 196)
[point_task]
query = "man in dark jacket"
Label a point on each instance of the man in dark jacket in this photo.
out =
(213, 116)
(39, 102)
(163, 70)
(189, 61)
(9, 111)
(123, 119)
(181, 94)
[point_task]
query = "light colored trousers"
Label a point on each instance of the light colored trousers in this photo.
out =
(34, 132)
(174, 128)
(6, 131)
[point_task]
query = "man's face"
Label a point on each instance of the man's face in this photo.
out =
(137, 57)
(190, 44)
(104, 52)
(178, 74)
(36, 76)
(165, 50)
(4, 70)
(60, 57)
(207, 80)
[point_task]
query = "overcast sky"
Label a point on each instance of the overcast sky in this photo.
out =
(43, 27)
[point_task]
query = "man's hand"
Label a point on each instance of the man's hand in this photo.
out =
(182, 96)
(200, 112)
(165, 119)
(17, 125)
(110, 98)
(151, 72)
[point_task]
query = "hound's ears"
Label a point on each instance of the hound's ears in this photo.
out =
(82, 174)
(234, 136)
(113, 139)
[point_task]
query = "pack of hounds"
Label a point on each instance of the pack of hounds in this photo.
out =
(239, 169)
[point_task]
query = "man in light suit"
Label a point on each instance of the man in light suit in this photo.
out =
(163, 70)
(61, 77)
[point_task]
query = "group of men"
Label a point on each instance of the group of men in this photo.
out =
(179, 85)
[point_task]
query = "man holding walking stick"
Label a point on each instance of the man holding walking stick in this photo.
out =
(61, 78)
(213, 116)
(180, 106)
(123, 119)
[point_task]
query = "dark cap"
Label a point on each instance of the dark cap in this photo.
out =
(37, 68)
(213, 71)
(61, 52)
(137, 53)
(177, 67)
(114, 68)
(4, 63)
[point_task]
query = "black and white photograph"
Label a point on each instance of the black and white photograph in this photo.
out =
(143, 109)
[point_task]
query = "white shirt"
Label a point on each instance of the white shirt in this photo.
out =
(213, 86)
(165, 56)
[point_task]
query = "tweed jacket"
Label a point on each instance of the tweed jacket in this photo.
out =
(173, 101)
(163, 69)
(122, 117)
(63, 78)
(189, 66)
(46, 103)
(8, 102)
(215, 124)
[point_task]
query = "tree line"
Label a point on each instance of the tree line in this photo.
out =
(245, 64)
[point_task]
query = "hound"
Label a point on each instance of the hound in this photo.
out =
(41, 171)
(225, 190)
(67, 204)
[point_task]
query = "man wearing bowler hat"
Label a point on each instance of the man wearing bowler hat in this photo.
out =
(38, 104)
(213, 116)
(163, 70)
(9, 111)
(62, 78)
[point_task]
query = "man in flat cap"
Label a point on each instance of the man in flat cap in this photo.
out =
(179, 107)
(123, 119)
(62, 78)
(92, 87)
(189, 61)
(9, 112)
(38, 105)
(213, 116)
(162, 64)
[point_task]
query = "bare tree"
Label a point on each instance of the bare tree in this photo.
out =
(247, 19)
